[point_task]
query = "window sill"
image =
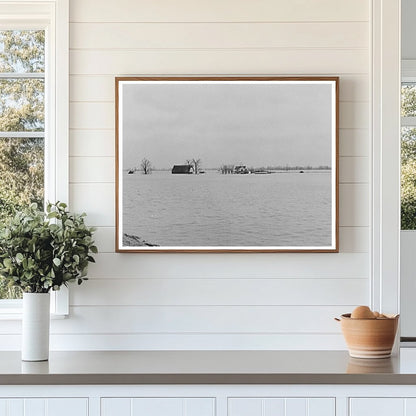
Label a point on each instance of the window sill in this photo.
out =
(11, 309)
(17, 316)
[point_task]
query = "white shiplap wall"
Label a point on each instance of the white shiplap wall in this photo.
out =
(214, 301)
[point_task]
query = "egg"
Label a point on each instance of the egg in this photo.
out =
(362, 312)
(376, 314)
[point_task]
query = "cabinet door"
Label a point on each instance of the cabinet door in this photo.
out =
(155, 406)
(393, 406)
(44, 407)
(281, 406)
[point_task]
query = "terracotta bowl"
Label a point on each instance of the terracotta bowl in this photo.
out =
(369, 338)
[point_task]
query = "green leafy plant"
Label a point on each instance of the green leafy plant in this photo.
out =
(42, 251)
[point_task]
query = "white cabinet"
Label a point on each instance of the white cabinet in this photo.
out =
(383, 406)
(281, 407)
(157, 406)
(44, 407)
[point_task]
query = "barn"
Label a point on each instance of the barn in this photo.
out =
(182, 169)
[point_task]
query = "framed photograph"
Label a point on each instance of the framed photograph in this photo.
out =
(227, 164)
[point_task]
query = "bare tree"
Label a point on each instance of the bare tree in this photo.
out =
(146, 166)
(197, 165)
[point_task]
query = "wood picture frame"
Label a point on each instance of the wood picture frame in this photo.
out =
(227, 164)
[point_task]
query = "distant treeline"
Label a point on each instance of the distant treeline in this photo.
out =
(286, 167)
(230, 168)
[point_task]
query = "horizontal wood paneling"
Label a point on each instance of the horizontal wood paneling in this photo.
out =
(231, 266)
(354, 170)
(96, 169)
(218, 11)
(232, 62)
(200, 319)
(194, 320)
(218, 35)
(96, 199)
(354, 239)
(354, 142)
(270, 301)
(98, 88)
(184, 341)
(217, 292)
(94, 143)
(354, 209)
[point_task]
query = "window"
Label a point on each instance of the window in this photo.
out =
(22, 124)
(408, 149)
(33, 111)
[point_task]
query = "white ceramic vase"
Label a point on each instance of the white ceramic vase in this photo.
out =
(35, 326)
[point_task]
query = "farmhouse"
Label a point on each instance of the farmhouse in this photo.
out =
(183, 169)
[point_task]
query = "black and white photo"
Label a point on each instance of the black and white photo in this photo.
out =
(227, 164)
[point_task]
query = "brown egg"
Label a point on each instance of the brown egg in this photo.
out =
(376, 314)
(362, 312)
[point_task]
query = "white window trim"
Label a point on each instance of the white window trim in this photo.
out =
(408, 75)
(385, 206)
(53, 15)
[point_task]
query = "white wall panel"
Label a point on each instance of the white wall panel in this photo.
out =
(353, 170)
(354, 142)
(258, 301)
(218, 291)
(99, 88)
(94, 143)
(354, 239)
(354, 205)
(91, 169)
(353, 115)
(299, 61)
(185, 341)
(96, 199)
(218, 35)
(218, 11)
(206, 266)
(201, 320)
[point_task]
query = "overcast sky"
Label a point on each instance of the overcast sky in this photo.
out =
(249, 124)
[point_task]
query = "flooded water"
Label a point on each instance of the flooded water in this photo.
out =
(211, 209)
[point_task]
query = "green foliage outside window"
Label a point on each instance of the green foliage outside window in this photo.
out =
(408, 160)
(21, 110)
(408, 179)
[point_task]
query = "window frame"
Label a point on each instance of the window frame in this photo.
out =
(408, 76)
(53, 17)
